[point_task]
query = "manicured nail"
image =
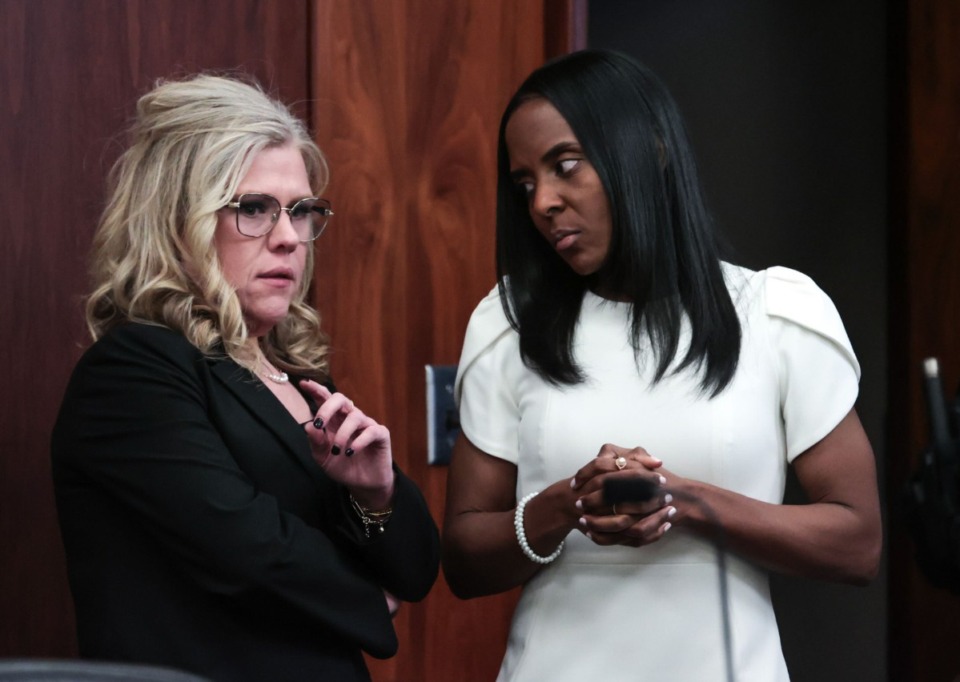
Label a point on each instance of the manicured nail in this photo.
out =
(348, 452)
(671, 512)
(583, 521)
(663, 480)
(318, 423)
(668, 498)
(573, 483)
(580, 505)
(335, 450)
(665, 527)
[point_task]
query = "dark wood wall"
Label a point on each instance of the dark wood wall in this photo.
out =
(70, 73)
(924, 305)
(404, 97)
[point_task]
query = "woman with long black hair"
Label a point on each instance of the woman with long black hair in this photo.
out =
(618, 345)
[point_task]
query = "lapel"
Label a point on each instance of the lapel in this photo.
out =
(264, 407)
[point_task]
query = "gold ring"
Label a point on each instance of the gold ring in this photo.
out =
(621, 462)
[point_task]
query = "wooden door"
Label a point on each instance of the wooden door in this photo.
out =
(408, 98)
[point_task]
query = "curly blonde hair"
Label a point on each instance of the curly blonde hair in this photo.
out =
(154, 258)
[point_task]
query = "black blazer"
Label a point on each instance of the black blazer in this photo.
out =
(201, 534)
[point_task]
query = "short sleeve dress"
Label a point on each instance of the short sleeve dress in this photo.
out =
(655, 613)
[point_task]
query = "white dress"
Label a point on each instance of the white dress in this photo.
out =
(654, 613)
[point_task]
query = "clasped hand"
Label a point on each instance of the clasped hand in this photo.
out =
(350, 447)
(634, 523)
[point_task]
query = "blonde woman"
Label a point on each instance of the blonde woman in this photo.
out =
(224, 510)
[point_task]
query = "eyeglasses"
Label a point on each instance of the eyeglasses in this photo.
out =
(257, 214)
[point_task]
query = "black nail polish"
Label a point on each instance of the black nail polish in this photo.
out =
(349, 452)
(318, 423)
(335, 450)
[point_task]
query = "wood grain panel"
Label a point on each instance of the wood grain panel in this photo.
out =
(408, 99)
(925, 298)
(565, 26)
(71, 72)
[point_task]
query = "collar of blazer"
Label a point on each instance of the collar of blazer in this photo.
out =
(264, 407)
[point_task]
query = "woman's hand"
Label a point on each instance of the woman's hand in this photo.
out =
(630, 523)
(350, 447)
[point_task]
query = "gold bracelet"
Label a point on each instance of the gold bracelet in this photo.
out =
(370, 517)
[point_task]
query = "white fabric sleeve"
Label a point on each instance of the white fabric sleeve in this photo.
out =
(484, 388)
(818, 371)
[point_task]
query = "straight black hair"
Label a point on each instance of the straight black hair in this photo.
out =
(664, 256)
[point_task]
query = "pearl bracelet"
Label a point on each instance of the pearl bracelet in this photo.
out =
(522, 535)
